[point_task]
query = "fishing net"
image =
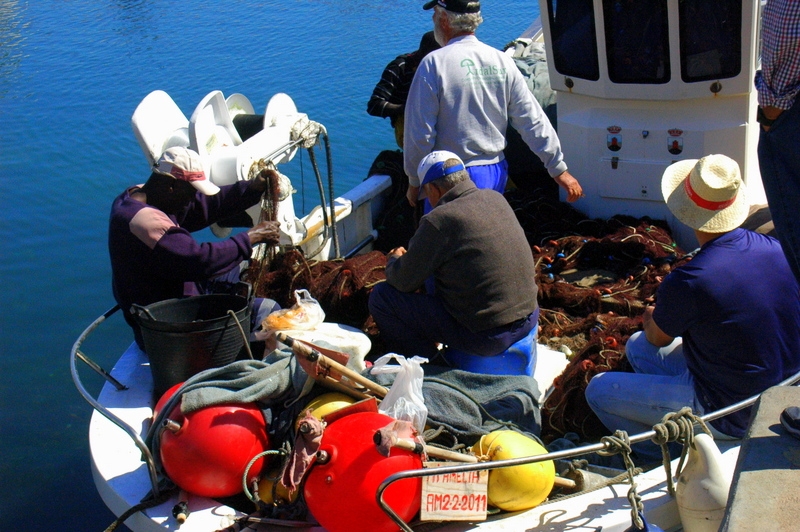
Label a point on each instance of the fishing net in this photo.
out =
(595, 278)
(340, 286)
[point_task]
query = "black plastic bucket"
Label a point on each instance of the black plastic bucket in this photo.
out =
(183, 337)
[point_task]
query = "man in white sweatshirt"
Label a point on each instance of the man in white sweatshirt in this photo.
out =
(461, 100)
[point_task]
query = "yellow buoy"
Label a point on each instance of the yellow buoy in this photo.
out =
(273, 491)
(520, 487)
(327, 403)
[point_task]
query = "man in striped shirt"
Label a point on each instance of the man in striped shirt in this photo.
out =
(390, 94)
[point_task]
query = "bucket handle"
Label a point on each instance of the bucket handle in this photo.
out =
(232, 314)
(138, 310)
(243, 286)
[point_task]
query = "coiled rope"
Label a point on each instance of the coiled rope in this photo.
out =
(678, 427)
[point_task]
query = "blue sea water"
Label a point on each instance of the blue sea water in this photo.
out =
(71, 74)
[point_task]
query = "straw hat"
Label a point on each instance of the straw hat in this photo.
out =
(706, 194)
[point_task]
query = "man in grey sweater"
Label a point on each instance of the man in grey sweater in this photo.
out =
(462, 99)
(474, 249)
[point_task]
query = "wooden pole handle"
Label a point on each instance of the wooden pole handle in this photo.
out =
(301, 349)
(434, 452)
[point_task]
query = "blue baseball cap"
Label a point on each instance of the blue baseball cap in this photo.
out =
(431, 167)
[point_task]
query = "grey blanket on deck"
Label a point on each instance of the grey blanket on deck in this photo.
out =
(467, 405)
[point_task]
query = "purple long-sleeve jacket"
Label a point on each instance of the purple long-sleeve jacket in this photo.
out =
(154, 256)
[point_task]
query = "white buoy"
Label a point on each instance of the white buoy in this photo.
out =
(702, 491)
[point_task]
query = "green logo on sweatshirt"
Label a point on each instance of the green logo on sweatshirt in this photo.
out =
(482, 74)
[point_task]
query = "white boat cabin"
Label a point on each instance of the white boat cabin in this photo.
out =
(642, 85)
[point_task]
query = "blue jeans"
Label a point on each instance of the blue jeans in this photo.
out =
(779, 159)
(634, 402)
(412, 324)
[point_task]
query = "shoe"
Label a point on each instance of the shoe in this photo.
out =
(790, 419)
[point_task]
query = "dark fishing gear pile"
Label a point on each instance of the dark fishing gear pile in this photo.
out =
(595, 279)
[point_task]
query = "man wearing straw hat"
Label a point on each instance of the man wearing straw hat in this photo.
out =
(726, 325)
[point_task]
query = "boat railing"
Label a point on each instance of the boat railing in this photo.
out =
(603, 446)
(75, 355)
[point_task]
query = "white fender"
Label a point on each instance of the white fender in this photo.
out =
(702, 491)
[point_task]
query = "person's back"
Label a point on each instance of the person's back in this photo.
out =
(465, 95)
(484, 267)
(474, 264)
(736, 305)
(471, 81)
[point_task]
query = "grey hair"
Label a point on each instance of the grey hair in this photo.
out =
(461, 22)
(449, 181)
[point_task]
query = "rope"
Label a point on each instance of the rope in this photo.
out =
(678, 427)
(254, 496)
(144, 505)
(246, 340)
(269, 212)
(582, 464)
(619, 443)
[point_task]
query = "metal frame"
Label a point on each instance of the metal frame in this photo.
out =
(76, 355)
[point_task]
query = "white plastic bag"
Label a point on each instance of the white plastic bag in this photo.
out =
(306, 314)
(404, 400)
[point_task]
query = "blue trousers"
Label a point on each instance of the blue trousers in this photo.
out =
(634, 402)
(412, 324)
(779, 160)
(493, 176)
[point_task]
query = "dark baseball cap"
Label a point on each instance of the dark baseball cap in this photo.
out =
(456, 6)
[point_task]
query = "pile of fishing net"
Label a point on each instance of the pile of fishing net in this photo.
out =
(595, 278)
(340, 286)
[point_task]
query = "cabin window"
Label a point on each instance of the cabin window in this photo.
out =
(574, 41)
(711, 39)
(637, 41)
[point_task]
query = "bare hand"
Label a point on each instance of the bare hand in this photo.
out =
(265, 232)
(397, 252)
(412, 195)
(570, 184)
(772, 113)
(648, 313)
(262, 180)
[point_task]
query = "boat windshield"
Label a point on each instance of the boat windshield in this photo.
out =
(711, 39)
(637, 39)
(572, 27)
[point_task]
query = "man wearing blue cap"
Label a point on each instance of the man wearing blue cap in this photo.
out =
(462, 99)
(473, 247)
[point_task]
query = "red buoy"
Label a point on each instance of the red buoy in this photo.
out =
(340, 493)
(207, 452)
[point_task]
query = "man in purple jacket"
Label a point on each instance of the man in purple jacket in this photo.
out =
(153, 254)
